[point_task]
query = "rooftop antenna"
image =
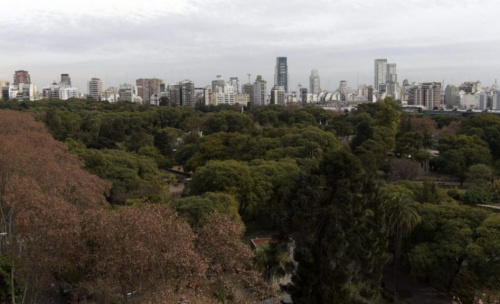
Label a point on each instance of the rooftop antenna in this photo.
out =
(249, 75)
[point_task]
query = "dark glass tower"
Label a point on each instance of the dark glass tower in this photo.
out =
(281, 73)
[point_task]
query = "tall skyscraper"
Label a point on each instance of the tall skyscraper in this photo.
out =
(259, 91)
(281, 73)
(147, 87)
(65, 80)
(22, 76)
(380, 73)
(314, 83)
(187, 93)
(95, 88)
(392, 75)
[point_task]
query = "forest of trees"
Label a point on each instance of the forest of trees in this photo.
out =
(88, 216)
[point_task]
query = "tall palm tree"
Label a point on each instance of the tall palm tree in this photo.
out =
(402, 217)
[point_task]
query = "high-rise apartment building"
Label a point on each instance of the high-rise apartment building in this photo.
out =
(304, 96)
(380, 73)
(451, 96)
(427, 95)
(95, 88)
(22, 76)
(218, 84)
(278, 95)
(147, 87)
(65, 80)
(481, 100)
(248, 89)
(259, 91)
(281, 73)
(127, 92)
(187, 93)
(174, 94)
(392, 74)
(496, 101)
(314, 82)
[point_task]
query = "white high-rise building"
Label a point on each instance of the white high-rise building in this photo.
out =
(380, 73)
(314, 82)
(68, 92)
(496, 100)
(259, 91)
(95, 88)
(128, 92)
(481, 100)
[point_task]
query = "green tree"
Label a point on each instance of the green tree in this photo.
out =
(402, 218)
(197, 209)
(337, 220)
(234, 178)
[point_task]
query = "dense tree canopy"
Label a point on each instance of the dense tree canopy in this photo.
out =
(332, 184)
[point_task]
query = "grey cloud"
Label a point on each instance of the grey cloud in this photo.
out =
(340, 38)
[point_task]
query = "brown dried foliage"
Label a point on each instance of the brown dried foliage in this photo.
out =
(62, 233)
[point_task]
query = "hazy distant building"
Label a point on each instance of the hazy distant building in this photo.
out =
(95, 88)
(4, 90)
(202, 95)
(278, 95)
(467, 100)
(451, 96)
(27, 92)
(66, 93)
(342, 96)
(392, 75)
(314, 82)
(391, 84)
(235, 83)
(147, 87)
(218, 84)
(186, 88)
(380, 73)
(427, 95)
(242, 99)
(471, 87)
(128, 92)
(174, 94)
(281, 73)
(22, 76)
(247, 89)
(482, 100)
(496, 101)
(259, 91)
(304, 96)
(65, 80)
(110, 95)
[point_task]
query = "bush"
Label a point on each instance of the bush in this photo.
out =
(477, 195)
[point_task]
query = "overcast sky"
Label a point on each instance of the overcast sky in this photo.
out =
(121, 40)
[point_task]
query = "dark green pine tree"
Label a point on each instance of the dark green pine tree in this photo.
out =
(342, 247)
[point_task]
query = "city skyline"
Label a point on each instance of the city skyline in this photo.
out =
(176, 40)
